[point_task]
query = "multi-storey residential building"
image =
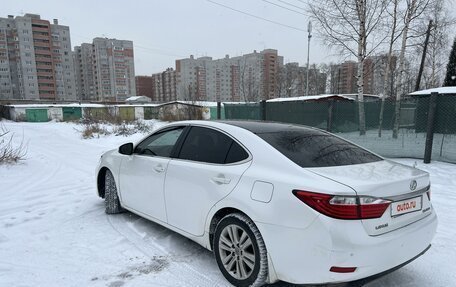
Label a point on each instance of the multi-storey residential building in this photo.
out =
(35, 59)
(164, 86)
(344, 76)
(84, 71)
(293, 79)
(144, 86)
(250, 77)
(105, 70)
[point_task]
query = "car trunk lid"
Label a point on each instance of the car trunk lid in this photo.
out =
(405, 186)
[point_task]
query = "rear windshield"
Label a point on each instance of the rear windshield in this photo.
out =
(313, 148)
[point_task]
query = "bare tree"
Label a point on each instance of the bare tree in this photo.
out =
(352, 26)
(326, 69)
(242, 87)
(394, 35)
(412, 11)
(439, 43)
(281, 81)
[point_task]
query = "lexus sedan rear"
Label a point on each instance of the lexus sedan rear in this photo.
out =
(274, 201)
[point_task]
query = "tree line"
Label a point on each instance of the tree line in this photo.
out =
(416, 32)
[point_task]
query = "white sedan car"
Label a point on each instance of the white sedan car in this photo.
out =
(274, 201)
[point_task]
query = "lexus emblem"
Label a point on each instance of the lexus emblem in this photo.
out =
(413, 185)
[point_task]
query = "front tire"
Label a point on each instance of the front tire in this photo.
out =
(240, 251)
(112, 203)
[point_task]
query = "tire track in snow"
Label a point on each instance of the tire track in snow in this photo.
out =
(181, 270)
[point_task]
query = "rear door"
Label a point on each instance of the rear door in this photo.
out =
(208, 167)
(142, 174)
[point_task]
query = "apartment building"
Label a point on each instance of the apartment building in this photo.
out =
(164, 86)
(292, 80)
(36, 62)
(344, 76)
(105, 70)
(250, 77)
(84, 72)
(144, 86)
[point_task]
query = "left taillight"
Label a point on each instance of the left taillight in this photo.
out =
(344, 207)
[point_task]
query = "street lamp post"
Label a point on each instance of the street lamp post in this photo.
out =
(309, 30)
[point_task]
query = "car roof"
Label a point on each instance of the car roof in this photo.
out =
(261, 127)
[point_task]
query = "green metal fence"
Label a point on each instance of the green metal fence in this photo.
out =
(342, 117)
(246, 111)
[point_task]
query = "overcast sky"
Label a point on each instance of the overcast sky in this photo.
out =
(166, 30)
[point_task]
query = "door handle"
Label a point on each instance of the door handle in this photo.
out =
(221, 180)
(159, 168)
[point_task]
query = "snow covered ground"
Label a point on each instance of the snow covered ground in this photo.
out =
(54, 232)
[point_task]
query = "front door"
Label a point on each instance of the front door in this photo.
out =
(142, 174)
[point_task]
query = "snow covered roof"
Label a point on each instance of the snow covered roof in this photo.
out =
(441, 90)
(138, 99)
(310, 98)
(57, 105)
(209, 104)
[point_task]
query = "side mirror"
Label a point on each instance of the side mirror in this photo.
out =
(126, 149)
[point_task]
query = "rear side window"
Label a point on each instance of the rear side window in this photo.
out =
(236, 153)
(211, 146)
(313, 148)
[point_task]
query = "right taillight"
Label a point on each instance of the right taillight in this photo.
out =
(428, 192)
(344, 207)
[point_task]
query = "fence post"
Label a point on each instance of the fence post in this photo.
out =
(263, 110)
(430, 127)
(330, 115)
(219, 110)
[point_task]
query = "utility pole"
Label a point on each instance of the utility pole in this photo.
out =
(309, 29)
(423, 58)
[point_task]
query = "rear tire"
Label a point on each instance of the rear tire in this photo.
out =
(112, 203)
(240, 251)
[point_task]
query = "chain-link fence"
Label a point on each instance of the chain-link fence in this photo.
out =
(341, 116)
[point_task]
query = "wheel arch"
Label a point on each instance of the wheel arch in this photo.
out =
(101, 181)
(221, 213)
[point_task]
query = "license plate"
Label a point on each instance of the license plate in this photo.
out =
(406, 206)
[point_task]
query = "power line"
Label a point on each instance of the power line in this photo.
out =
(292, 5)
(257, 17)
(283, 7)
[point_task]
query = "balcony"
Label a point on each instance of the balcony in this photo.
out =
(40, 29)
(45, 74)
(40, 37)
(46, 89)
(43, 52)
(45, 81)
(40, 44)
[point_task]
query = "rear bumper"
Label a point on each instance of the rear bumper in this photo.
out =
(304, 256)
(362, 282)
